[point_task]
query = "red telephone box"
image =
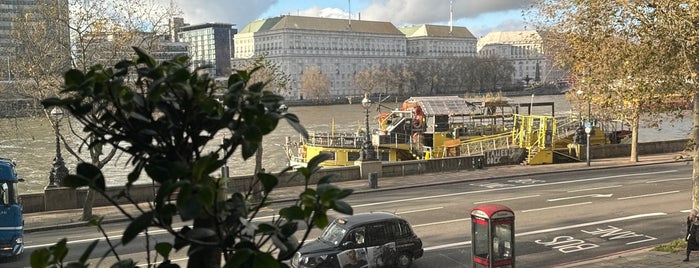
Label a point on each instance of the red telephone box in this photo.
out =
(493, 234)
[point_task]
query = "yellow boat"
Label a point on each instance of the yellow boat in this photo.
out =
(422, 128)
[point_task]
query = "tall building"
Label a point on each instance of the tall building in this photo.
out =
(210, 44)
(525, 49)
(341, 48)
(434, 41)
(13, 10)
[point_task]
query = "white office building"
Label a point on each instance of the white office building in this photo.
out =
(342, 47)
(525, 49)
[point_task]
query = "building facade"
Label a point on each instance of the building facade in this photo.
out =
(342, 48)
(210, 44)
(435, 41)
(26, 10)
(525, 49)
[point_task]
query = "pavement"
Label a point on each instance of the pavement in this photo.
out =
(645, 257)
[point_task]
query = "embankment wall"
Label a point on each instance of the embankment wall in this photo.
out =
(65, 198)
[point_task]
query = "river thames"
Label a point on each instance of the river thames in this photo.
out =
(31, 141)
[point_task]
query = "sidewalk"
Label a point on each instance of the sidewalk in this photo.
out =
(638, 258)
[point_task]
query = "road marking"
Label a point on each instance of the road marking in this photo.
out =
(647, 195)
(592, 189)
(440, 222)
(579, 196)
(574, 226)
(419, 210)
(508, 188)
(664, 180)
(554, 207)
(506, 199)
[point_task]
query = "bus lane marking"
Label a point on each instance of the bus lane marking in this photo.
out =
(579, 196)
(555, 207)
(568, 244)
(595, 188)
(508, 188)
(506, 199)
(549, 230)
(647, 195)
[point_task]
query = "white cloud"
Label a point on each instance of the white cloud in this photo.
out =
(404, 12)
(224, 11)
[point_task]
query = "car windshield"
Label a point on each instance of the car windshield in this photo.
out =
(333, 233)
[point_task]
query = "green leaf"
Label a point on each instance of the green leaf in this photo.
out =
(164, 249)
(314, 163)
(343, 207)
(265, 260)
(294, 121)
(144, 57)
(93, 174)
(268, 181)
(73, 77)
(292, 213)
(75, 181)
(40, 258)
(137, 226)
(200, 233)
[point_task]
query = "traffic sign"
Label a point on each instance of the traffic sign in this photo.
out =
(588, 130)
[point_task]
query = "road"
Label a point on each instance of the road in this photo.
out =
(560, 217)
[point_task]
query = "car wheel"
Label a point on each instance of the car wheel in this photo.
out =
(404, 260)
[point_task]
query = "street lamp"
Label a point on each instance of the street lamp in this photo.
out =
(367, 153)
(588, 127)
(59, 170)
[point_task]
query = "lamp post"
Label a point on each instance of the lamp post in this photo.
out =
(588, 127)
(58, 170)
(367, 153)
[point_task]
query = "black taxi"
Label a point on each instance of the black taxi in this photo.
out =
(376, 239)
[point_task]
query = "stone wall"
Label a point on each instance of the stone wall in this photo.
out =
(64, 198)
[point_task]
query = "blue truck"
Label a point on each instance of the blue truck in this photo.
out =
(11, 223)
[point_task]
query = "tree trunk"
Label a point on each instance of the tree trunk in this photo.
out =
(635, 120)
(258, 168)
(87, 207)
(203, 256)
(695, 152)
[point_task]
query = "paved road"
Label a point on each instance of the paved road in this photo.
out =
(35, 222)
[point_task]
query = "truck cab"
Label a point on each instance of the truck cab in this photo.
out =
(11, 222)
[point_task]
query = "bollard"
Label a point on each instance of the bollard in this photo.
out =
(373, 180)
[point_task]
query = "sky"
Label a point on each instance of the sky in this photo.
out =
(479, 16)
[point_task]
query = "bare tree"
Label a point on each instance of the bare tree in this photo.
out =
(314, 83)
(58, 35)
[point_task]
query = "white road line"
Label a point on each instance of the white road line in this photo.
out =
(579, 196)
(664, 180)
(557, 229)
(647, 195)
(554, 207)
(510, 188)
(592, 189)
(419, 210)
(440, 222)
(506, 199)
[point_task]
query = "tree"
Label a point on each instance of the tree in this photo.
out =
(57, 35)
(652, 48)
(612, 59)
(315, 83)
(369, 80)
(165, 120)
(275, 80)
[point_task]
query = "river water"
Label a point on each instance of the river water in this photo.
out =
(31, 141)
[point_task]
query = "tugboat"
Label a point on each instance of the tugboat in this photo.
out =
(422, 128)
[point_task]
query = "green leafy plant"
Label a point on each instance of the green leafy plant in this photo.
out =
(165, 117)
